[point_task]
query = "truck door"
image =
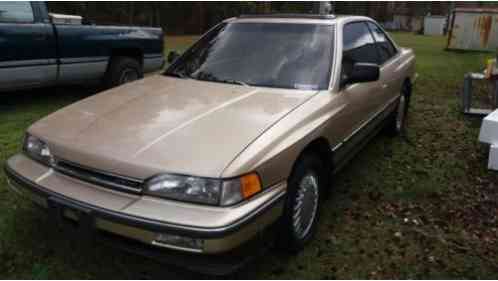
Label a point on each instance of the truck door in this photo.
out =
(27, 41)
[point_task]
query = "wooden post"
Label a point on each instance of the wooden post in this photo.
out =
(495, 80)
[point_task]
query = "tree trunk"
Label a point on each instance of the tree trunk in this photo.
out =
(158, 16)
(131, 12)
(202, 24)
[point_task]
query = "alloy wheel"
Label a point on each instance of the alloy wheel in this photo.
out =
(306, 205)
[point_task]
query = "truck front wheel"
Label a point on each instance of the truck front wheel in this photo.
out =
(122, 70)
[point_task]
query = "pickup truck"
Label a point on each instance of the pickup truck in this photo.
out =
(39, 51)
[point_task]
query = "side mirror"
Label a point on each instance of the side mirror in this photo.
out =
(363, 72)
(172, 56)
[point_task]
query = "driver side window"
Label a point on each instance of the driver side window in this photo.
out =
(358, 47)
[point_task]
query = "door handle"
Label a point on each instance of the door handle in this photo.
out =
(384, 86)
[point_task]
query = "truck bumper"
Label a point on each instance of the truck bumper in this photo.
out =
(138, 234)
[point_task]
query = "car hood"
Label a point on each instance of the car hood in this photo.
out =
(163, 124)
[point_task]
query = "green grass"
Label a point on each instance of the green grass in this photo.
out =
(423, 206)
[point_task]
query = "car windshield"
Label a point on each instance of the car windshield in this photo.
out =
(282, 55)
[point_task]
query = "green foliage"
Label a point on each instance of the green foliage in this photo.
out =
(40, 271)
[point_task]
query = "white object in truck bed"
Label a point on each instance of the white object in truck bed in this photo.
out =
(489, 134)
(66, 19)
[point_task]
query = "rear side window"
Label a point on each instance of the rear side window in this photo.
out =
(385, 46)
(17, 11)
(358, 47)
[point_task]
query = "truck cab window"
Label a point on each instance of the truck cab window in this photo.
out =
(386, 48)
(358, 47)
(17, 12)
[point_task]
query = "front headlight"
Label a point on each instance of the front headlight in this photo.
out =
(204, 190)
(38, 150)
(185, 188)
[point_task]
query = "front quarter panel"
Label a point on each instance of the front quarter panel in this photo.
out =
(274, 153)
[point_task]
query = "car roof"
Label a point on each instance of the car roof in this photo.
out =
(294, 18)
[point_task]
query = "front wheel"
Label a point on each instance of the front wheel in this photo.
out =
(300, 219)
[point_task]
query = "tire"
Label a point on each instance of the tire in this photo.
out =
(122, 70)
(306, 183)
(396, 124)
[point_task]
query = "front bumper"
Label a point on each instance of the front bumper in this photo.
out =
(116, 213)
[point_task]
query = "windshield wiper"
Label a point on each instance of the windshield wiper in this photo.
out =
(206, 76)
(230, 81)
(177, 75)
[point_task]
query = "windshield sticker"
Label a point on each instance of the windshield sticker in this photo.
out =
(305, 86)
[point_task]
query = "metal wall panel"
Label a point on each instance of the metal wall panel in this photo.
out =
(474, 29)
(434, 25)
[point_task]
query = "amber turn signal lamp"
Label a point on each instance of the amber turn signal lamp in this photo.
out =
(250, 185)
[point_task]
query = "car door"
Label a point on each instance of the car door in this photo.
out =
(361, 100)
(28, 56)
(390, 76)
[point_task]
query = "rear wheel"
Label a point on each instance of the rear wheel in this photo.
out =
(397, 120)
(122, 70)
(301, 214)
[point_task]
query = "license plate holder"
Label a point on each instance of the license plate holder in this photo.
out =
(85, 220)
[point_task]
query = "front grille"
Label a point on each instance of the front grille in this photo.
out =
(99, 177)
